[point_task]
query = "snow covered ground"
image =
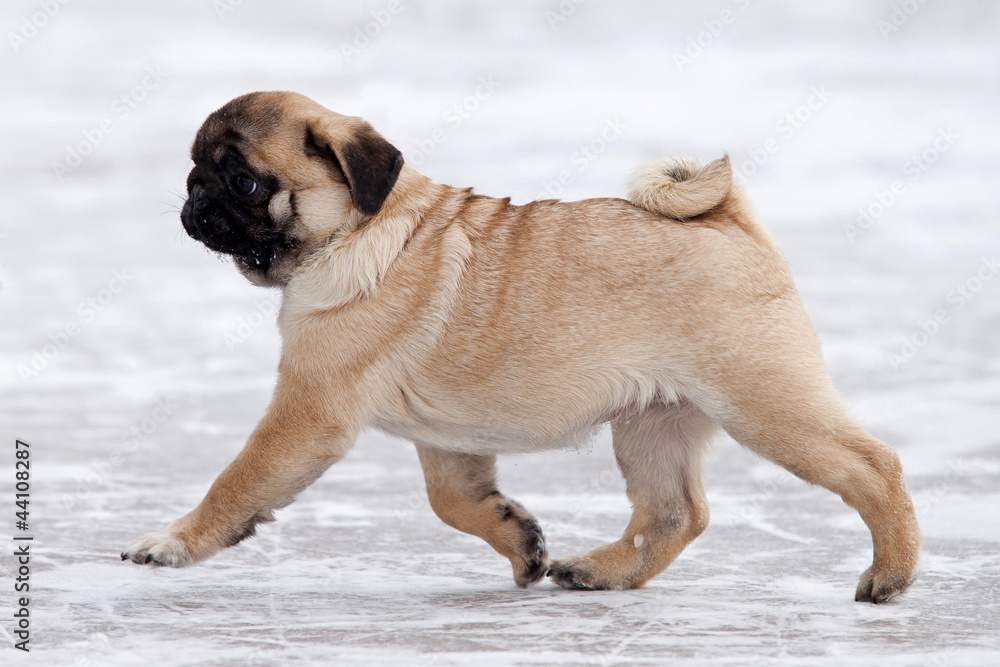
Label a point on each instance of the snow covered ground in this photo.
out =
(136, 363)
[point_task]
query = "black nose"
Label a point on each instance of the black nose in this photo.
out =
(199, 200)
(199, 221)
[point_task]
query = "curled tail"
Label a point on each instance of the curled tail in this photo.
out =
(681, 188)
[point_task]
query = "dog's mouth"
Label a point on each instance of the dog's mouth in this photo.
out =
(253, 246)
(260, 258)
(256, 254)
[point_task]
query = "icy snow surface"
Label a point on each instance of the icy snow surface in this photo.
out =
(359, 570)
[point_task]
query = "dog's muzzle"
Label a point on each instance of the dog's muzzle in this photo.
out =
(203, 223)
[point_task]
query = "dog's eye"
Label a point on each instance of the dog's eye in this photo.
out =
(245, 185)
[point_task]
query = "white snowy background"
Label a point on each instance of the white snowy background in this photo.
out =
(136, 363)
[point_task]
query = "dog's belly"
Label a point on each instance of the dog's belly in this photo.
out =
(484, 439)
(495, 424)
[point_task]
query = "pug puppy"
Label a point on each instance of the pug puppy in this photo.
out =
(474, 327)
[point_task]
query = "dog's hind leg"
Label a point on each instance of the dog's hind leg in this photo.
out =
(660, 452)
(798, 421)
(769, 390)
(462, 489)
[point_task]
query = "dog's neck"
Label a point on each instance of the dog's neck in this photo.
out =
(359, 254)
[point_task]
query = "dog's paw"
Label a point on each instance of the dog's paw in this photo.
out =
(163, 549)
(576, 574)
(877, 586)
(535, 559)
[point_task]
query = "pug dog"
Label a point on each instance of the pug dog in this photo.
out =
(475, 327)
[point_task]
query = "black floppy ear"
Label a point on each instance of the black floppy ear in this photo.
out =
(370, 164)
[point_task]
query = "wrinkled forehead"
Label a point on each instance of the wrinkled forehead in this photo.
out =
(267, 128)
(243, 122)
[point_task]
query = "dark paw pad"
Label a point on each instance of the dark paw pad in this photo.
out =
(535, 555)
(878, 589)
(572, 576)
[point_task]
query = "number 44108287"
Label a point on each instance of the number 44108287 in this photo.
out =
(22, 475)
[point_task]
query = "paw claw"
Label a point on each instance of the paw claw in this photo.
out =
(537, 565)
(160, 549)
(531, 564)
(878, 588)
(571, 576)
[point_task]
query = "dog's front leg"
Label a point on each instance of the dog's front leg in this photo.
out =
(462, 489)
(290, 448)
